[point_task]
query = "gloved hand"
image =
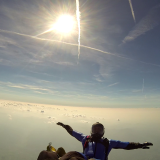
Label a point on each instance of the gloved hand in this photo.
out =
(146, 144)
(60, 124)
(67, 127)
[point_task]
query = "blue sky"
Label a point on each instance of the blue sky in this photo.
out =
(119, 63)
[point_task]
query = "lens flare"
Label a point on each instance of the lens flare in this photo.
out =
(64, 24)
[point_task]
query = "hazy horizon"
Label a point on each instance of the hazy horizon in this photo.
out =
(26, 129)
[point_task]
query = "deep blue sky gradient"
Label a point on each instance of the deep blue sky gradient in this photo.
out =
(43, 71)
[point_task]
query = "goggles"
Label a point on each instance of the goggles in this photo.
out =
(97, 129)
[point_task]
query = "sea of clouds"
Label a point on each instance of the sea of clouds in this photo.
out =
(27, 128)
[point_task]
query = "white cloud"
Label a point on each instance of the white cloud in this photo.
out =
(65, 63)
(113, 84)
(40, 92)
(84, 121)
(98, 78)
(22, 87)
(36, 89)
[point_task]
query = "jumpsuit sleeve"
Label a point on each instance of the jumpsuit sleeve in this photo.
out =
(118, 144)
(79, 136)
(133, 145)
(68, 128)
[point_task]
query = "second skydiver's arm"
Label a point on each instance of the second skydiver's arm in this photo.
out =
(67, 127)
(79, 136)
(130, 145)
(133, 145)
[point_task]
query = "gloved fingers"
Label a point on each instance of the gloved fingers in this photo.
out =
(61, 124)
(148, 144)
(145, 147)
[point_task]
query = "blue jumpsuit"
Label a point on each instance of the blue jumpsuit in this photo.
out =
(100, 148)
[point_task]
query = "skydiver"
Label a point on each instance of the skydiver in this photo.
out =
(95, 146)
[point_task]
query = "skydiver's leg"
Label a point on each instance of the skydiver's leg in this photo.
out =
(76, 158)
(73, 155)
(45, 155)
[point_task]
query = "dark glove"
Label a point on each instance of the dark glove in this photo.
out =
(67, 127)
(146, 144)
(60, 124)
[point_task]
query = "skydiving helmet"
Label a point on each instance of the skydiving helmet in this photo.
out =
(97, 130)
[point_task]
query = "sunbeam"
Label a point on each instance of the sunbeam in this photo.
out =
(44, 32)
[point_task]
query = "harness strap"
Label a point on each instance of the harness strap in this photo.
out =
(86, 143)
(105, 142)
(95, 149)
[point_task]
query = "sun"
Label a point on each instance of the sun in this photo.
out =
(64, 24)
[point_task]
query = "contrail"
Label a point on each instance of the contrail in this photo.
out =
(72, 44)
(143, 86)
(79, 29)
(150, 21)
(130, 3)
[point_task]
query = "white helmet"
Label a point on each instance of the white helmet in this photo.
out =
(97, 130)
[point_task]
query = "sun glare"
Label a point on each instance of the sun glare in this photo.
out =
(64, 24)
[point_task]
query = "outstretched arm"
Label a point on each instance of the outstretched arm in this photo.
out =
(129, 145)
(79, 136)
(67, 127)
(133, 145)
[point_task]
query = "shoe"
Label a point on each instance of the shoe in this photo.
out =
(60, 151)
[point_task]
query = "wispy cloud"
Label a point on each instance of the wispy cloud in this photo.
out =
(29, 87)
(65, 63)
(113, 84)
(137, 90)
(4, 41)
(84, 121)
(50, 61)
(36, 89)
(62, 90)
(98, 78)
(150, 21)
(40, 92)
(21, 87)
